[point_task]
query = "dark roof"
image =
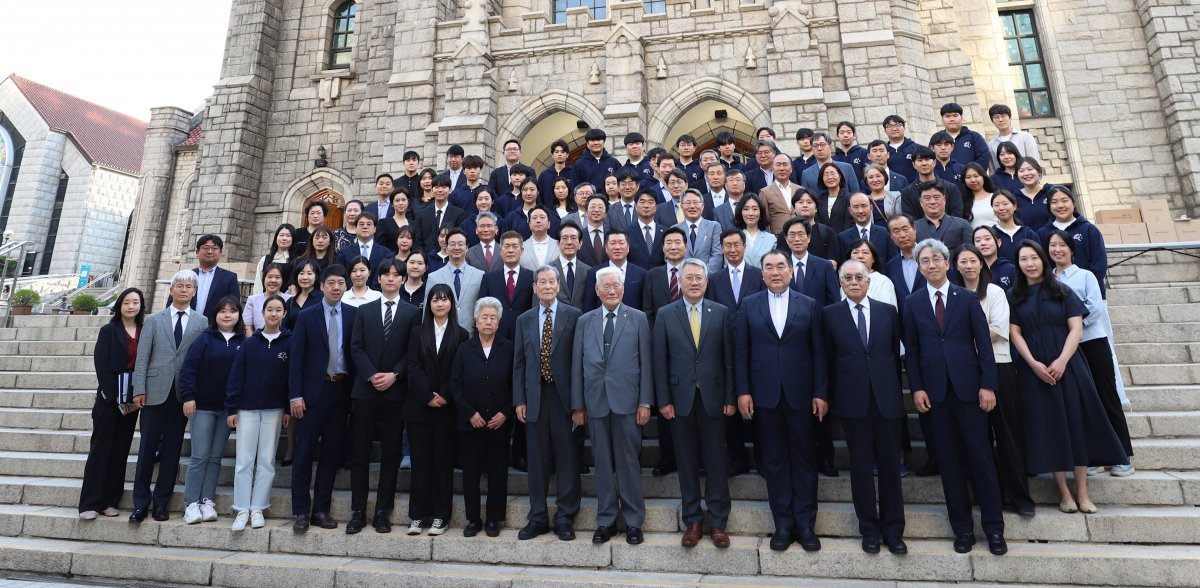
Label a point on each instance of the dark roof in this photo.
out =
(193, 138)
(105, 136)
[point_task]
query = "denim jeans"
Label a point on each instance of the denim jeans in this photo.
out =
(209, 434)
(257, 440)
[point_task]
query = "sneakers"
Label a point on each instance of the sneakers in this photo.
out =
(208, 510)
(110, 512)
(191, 515)
(88, 515)
(239, 522)
(439, 527)
(406, 463)
(1095, 471)
(414, 527)
(256, 519)
(1121, 471)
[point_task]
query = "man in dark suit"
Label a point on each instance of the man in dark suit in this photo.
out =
(510, 283)
(693, 378)
(212, 283)
(760, 172)
(662, 287)
(572, 271)
(379, 350)
(454, 167)
(366, 246)
(484, 256)
(319, 382)
(936, 224)
(952, 374)
(862, 338)
(542, 351)
(782, 383)
(595, 231)
(864, 228)
(442, 214)
(645, 237)
(621, 215)
(729, 286)
(499, 180)
(670, 213)
(382, 206)
(633, 277)
(718, 206)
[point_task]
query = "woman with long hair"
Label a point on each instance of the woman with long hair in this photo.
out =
(1005, 178)
(273, 281)
(425, 198)
(756, 227)
(1003, 272)
(279, 253)
(401, 217)
(563, 203)
(320, 248)
(977, 205)
(345, 235)
(1090, 253)
(834, 199)
(1009, 228)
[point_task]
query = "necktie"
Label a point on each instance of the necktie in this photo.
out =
(862, 324)
(597, 244)
(487, 255)
(547, 341)
(799, 276)
(737, 285)
(863, 232)
(692, 238)
(457, 283)
(365, 253)
(387, 319)
(179, 328)
(335, 343)
(437, 221)
(512, 285)
(694, 321)
(628, 215)
(674, 287)
(570, 277)
(649, 238)
(939, 310)
(608, 333)
(678, 213)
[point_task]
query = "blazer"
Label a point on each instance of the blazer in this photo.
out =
(529, 260)
(156, 369)
(774, 369)
(477, 260)
(720, 289)
(839, 217)
(858, 373)
(954, 232)
(779, 209)
(587, 253)
(482, 383)
(635, 279)
(373, 355)
(811, 179)
(470, 280)
(877, 235)
(820, 281)
(111, 356)
(224, 283)
(379, 252)
(527, 353)
(429, 372)
(566, 295)
(310, 351)
(621, 382)
(756, 177)
(894, 270)
(498, 179)
(643, 255)
(707, 247)
(681, 367)
(495, 283)
(960, 354)
(656, 291)
(665, 214)
(427, 226)
(373, 208)
(388, 231)
(616, 215)
(722, 214)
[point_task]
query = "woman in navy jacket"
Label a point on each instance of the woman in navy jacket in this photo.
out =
(1090, 253)
(202, 383)
(1002, 271)
(1010, 229)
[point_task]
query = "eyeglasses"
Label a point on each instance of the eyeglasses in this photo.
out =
(210, 248)
(854, 278)
(893, 126)
(609, 287)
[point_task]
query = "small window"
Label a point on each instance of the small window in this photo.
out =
(655, 6)
(598, 8)
(1027, 65)
(342, 41)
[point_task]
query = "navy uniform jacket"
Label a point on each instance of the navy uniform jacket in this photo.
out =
(971, 146)
(545, 183)
(856, 156)
(857, 372)
(959, 356)
(952, 171)
(900, 160)
(593, 170)
(910, 199)
(642, 167)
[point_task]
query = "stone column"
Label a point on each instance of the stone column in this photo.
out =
(983, 41)
(168, 126)
(914, 93)
(37, 185)
(468, 84)
(625, 81)
(871, 41)
(411, 85)
(795, 82)
(949, 68)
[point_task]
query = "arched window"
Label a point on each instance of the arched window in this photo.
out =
(342, 41)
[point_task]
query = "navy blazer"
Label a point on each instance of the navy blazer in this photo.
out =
(495, 283)
(770, 367)
(960, 354)
(635, 278)
(820, 281)
(720, 289)
(638, 253)
(310, 351)
(224, 283)
(879, 238)
(588, 254)
(378, 253)
(894, 270)
(852, 385)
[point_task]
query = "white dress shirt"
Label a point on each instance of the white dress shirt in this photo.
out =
(945, 290)
(541, 250)
(779, 309)
(368, 245)
(620, 267)
(204, 280)
(866, 303)
(439, 331)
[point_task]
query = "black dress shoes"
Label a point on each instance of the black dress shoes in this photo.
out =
(532, 531)
(323, 520)
(585, 470)
(781, 540)
(161, 514)
(1026, 511)
(521, 465)
(300, 526)
(896, 545)
(602, 535)
(472, 529)
(827, 469)
(807, 538)
(996, 544)
(633, 535)
(358, 520)
(964, 543)
(382, 522)
(928, 470)
(870, 544)
(138, 515)
(492, 528)
(564, 532)
(663, 469)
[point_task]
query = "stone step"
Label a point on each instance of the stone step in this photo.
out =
(60, 348)
(45, 333)
(59, 320)
(1158, 333)
(1164, 398)
(1151, 295)
(1161, 374)
(74, 419)
(52, 380)
(50, 399)
(47, 363)
(369, 559)
(1150, 353)
(1149, 313)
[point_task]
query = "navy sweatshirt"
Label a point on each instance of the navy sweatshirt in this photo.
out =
(259, 378)
(1090, 252)
(205, 370)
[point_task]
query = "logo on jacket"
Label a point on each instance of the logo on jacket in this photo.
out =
(1007, 281)
(282, 356)
(1078, 237)
(967, 144)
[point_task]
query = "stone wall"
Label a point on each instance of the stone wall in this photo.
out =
(64, 257)
(102, 226)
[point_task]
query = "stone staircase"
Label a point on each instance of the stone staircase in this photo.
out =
(1146, 533)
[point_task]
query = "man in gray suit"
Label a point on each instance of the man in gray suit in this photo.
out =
(571, 271)
(611, 382)
(542, 346)
(463, 279)
(485, 255)
(693, 377)
(936, 224)
(703, 235)
(164, 343)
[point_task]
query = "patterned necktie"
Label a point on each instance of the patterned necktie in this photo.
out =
(487, 255)
(862, 324)
(512, 285)
(547, 341)
(939, 310)
(674, 286)
(365, 253)
(649, 238)
(799, 276)
(335, 343)
(609, 327)
(694, 321)
(692, 238)
(863, 232)
(737, 285)
(570, 277)
(179, 328)
(457, 283)
(387, 319)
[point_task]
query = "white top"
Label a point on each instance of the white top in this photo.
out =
(252, 315)
(982, 213)
(1096, 324)
(995, 308)
(881, 289)
(383, 307)
(280, 257)
(866, 304)
(540, 250)
(439, 331)
(779, 309)
(945, 290)
(352, 299)
(271, 336)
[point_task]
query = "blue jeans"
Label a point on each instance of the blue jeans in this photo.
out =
(257, 440)
(210, 432)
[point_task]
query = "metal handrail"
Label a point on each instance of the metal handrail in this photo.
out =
(55, 299)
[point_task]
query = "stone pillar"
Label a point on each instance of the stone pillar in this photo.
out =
(948, 66)
(624, 81)
(411, 93)
(236, 127)
(168, 126)
(795, 82)
(983, 42)
(37, 185)
(1172, 29)
(468, 84)
(872, 62)
(914, 93)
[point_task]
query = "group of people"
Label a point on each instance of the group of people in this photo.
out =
(742, 306)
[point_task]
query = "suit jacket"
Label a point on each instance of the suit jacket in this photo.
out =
(495, 283)
(656, 291)
(877, 235)
(482, 383)
(373, 208)
(477, 260)
(665, 214)
(756, 178)
(707, 247)
(470, 279)
(720, 289)
(811, 179)
(527, 353)
(680, 366)
(642, 255)
(111, 356)
(498, 180)
(960, 354)
(621, 382)
(635, 279)
(587, 253)
(378, 254)
(616, 216)
(894, 270)
(790, 368)
(567, 295)
(156, 368)
(429, 371)
(954, 232)
(427, 226)
(779, 209)
(858, 373)
(820, 281)
(310, 351)
(224, 283)
(529, 260)
(372, 355)
(722, 214)
(839, 217)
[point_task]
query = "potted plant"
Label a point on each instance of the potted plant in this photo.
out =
(84, 304)
(22, 301)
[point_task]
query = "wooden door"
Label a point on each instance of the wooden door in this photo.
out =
(335, 205)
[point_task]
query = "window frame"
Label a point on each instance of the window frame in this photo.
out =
(346, 12)
(560, 8)
(1026, 90)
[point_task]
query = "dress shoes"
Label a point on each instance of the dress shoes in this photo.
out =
(300, 525)
(1026, 511)
(964, 543)
(521, 465)
(807, 538)
(736, 470)
(323, 520)
(996, 544)
(382, 522)
(691, 537)
(492, 528)
(896, 545)
(585, 470)
(602, 535)
(870, 544)
(138, 515)
(161, 514)
(564, 531)
(719, 537)
(358, 520)
(532, 530)
(633, 535)
(781, 540)
(827, 469)
(472, 529)
(928, 470)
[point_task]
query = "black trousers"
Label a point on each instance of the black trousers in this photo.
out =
(666, 443)
(104, 473)
(518, 440)
(1008, 432)
(319, 436)
(375, 417)
(432, 447)
(789, 465)
(960, 429)
(822, 439)
(1099, 359)
(874, 440)
(485, 450)
(553, 447)
(739, 432)
(162, 431)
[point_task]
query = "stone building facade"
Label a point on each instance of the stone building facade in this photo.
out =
(1115, 120)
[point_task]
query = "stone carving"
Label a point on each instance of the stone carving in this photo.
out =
(660, 72)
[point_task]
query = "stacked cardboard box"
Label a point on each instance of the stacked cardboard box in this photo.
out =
(1156, 215)
(1148, 222)
(1121, 225)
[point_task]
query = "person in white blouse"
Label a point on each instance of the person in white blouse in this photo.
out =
(750, 218)
(279, 252)
(880, 287)
(978, 196)
(359, 294)
(272, 284)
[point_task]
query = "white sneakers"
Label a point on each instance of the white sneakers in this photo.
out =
(1121, 471)
(439, 527)
(208, 509)
(88, 515)
(191, 515)
(256, 519)
(414, 527)
(239, 522)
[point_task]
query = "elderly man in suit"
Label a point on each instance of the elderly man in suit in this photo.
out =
(166, 337)
(782, 383)
(952, 374)
(693, 378)
(703, 235)
(484, 255)
(320, 372)
(542, 395)
(463, 279)
(936, 224)
(865, 229)
(777, 195)
(611, 391)
(862, 338)
(632, 276)
(718, 203)
(212, 283)
(662, 287)
(366, 246)
(572, 272)
(379, 349)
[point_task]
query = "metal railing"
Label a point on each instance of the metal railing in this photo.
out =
(105, 280)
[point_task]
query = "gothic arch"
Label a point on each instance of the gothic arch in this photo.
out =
(529, 114)
(323, 178)
(691, 94)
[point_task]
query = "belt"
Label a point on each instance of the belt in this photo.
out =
(337, 378)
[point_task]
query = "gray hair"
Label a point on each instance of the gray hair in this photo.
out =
(487, 214)
(546, 268)
(878, 168)
(184, 276)
(607, 271)
(768, 143)
(821, 135)
(851, 264)
(697, 263)
(489, 302)
(937, 246)
(581, 186)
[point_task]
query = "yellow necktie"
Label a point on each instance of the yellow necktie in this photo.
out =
(694, 320)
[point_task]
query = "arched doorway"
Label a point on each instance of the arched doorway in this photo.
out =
(335, 206)
(559, 125)
(708, 118)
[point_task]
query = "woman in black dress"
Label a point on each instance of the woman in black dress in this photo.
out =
(1066, 427)
(412, 290)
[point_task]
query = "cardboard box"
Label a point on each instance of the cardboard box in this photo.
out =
(1158, 211)
(1161, 232)
(1118, 216)
(1134, 233)
(1111, 234)
(1188, 230)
